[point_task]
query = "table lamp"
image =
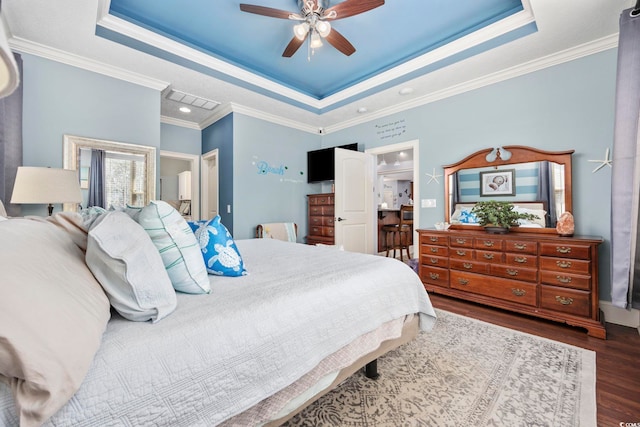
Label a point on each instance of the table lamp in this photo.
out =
(37, 185)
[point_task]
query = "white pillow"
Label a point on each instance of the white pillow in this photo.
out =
(52, 316)
(538, 222)
(178, 247)
(126, 263)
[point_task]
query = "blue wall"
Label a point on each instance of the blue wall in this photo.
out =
(220, 135)
(60, 99)
(568, 106)
(270, 175)
(180, 139)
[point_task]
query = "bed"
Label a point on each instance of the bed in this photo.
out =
(254, 351)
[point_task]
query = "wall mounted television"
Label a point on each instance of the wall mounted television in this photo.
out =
(321, 163)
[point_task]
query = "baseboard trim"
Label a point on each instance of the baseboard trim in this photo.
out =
(620, 316)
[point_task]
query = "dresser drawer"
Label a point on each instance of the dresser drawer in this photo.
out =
(564, 279)
(565, 250)
(461, 241)
(434, 275)
(434, 260)
(521, 260)
(433, 239)
(321, 231)
(574, 266)
(321, 210)
(564, 300)
(489, 256)
(488, 243)
(321, 200)
(471, 266)
(495, 287)
(520, 246)
(512, 272)
(461, 253)
(434, 250)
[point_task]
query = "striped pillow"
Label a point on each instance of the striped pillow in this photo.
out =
(178, 247)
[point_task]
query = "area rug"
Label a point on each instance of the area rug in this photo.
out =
(467, 373)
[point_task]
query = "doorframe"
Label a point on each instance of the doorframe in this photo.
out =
(383, 149)
(193, 159)
(209, 155)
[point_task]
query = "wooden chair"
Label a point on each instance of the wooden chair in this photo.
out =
(286, 231)
(403, 229)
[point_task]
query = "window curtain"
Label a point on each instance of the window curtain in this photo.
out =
(625, 267)
(11, 142)
(96, 179)
(545, 192)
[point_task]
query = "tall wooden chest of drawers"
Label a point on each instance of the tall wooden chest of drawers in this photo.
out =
(321, 218)
(544, 275)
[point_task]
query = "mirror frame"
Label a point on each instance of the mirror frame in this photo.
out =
(519, 154)
(71, 159)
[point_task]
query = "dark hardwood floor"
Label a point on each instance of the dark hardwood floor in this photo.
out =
(617, 357)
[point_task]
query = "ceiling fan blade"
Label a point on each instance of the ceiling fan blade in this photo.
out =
(266, 11)
(352, 7)
(338, 41)
(293, 46)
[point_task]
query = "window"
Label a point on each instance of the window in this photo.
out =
(124, 179)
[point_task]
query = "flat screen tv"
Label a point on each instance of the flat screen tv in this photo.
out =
(321, 163)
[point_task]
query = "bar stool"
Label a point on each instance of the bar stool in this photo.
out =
(404, 229)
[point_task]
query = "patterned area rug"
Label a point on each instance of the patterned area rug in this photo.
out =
(467, 373)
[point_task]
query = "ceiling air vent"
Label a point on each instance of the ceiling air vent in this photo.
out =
(192, 100)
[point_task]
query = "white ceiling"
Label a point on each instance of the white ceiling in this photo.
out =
(65, 30)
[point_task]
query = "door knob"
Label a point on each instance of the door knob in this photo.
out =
(341, 219)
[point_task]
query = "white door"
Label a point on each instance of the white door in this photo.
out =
(354, 201)
(210, 184)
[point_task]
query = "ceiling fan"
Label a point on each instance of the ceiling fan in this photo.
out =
(315, 22)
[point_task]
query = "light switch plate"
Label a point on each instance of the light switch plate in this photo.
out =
(428, 203)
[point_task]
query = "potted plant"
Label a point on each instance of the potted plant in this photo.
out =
(498, 217)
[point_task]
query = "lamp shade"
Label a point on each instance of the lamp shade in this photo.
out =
(46, 185)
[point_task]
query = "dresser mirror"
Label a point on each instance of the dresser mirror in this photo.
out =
(531, 179)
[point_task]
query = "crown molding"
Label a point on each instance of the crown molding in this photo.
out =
(177, 122)
(586, 49)
(26, 46)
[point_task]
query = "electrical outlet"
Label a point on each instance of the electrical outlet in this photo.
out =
(428, 203)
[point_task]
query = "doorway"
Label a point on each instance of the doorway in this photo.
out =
(397, 182)
(210, 186)
(171, 164)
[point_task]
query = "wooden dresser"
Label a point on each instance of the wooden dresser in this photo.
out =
(321, 218)
(538, 274)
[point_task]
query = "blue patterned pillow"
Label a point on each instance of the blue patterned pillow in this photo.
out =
(220, 252)
(468, 217)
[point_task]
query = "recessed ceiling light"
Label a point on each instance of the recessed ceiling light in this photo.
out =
(405, 91)
(362, 110)
(185, 109)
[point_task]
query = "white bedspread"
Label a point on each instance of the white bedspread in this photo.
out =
(219, 354)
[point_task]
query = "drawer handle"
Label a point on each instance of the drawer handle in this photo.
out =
(564, 300)
(563, 249)
(467, 265)
(563, 279)
(564, 264)
(461, 241)
(520, 246)
(520, 259)
(434, 250)
(434, 276)
(518, 292)
(463, 281)
(489, 243)
(433, 260)
(461, 253)
(512, 272)
(488, 256)
(433, 239)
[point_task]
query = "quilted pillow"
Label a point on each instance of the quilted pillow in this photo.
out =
(127, 264)
(52, 316)
(219, 251)
(178, 247)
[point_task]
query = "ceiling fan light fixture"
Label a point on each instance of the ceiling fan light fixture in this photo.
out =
(316, 40)
(301, 30)
(324, 28)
